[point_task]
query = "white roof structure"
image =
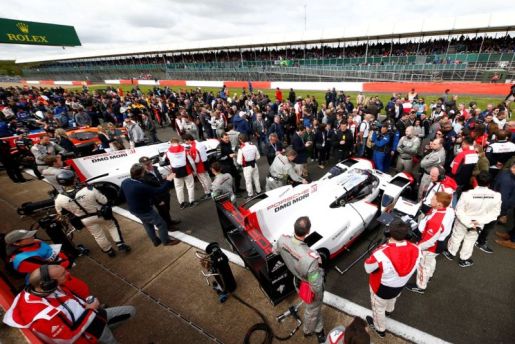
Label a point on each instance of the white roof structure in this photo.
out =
(482, 23)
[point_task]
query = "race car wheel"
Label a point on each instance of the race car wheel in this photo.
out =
(111, 191)
(325, 256)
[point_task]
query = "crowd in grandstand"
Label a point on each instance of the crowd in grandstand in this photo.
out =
(438, 47)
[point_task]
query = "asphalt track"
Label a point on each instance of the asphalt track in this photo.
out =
(461, 305)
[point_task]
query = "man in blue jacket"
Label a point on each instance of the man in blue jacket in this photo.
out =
(505, 184)
(382, 147)
(140, 199)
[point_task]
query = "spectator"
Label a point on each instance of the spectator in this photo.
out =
(149, 128)
(273, 148)
(408, 149)
(226, 161)
(44, 148)
(344, 142)
(505, 184)
(140, 198)
(300, 147)
(61, 138)
(55, 166)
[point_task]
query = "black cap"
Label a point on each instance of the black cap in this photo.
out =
(144, 160)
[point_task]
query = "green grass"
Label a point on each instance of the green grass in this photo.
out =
(320, 95)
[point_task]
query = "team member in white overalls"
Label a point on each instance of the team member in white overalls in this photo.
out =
(248, 155)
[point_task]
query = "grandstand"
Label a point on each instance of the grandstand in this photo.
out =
(460, 49)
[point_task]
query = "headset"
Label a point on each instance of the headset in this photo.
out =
(441, 173)
(47, 284)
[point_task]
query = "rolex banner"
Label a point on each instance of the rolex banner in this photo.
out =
(26, 32)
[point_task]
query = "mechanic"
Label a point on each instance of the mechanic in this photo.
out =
(85, 203)
(475, 209)
(226, 156)
(439, 182)
(463, 165)
(304, 264)
(196, 155)
(55, 166)
(248, 155)
(26, 253)
(355, 333)
(281, 169)
(154, 178)
(382, 146)
(436, 157)
(57, 313)
(140, 198)
(183, 174)
(430, 229)
(390, 267)
(222, 184)
(135, 134)
(407, 148)
(44, 148)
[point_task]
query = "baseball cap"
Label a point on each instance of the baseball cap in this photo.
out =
(144, 160)
(17, 235)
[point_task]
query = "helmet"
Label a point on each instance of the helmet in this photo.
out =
(65, 178)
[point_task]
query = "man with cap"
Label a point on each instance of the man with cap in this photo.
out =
(304, 264)
(85, 203)
(154, 178)
(26, 254)
(281, 169)
(390, 266)
(58, 313)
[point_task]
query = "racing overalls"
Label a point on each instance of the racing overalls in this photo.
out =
(91, 200)
(432, 159)
(279, 172)
(480, 204)
(197, 156)
(222, 184)
(183, 172)
(248, 155)
(303, 263)
(381, 150)
(431, 228)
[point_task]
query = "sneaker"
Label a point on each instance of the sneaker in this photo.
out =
(413, 287)
(448, 255)
(484, 247)
(205, 197)
(370, 322)
(111, 253)
(123, 247)
(156, 242)
(184, 205)
(465, 263)
(321, 166)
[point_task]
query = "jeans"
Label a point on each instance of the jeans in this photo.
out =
(150, 220)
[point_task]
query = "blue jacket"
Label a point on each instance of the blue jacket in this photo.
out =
(241, 125)
(381, 141)
(505, 184)
(140, 196)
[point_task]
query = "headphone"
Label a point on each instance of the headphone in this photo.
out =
(47, 284)
(441, 173)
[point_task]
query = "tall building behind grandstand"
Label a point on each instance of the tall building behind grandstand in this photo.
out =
(457, 50)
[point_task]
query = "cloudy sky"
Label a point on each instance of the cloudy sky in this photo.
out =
(120, 24)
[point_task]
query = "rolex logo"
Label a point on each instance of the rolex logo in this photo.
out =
(24, 28)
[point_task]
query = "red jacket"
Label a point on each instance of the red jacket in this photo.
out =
(51, 321)
(390, 267)
(431, 227)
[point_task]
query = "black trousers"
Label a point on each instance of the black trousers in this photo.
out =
(483, 236)
(163, 208)
(13, 171)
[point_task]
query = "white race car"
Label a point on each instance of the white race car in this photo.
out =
(340, 205)
(108, 170)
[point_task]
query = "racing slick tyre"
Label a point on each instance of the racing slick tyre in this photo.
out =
(111, 191)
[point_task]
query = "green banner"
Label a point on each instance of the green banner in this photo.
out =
(26, 32)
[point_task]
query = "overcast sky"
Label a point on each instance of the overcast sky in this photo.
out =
(113, 24)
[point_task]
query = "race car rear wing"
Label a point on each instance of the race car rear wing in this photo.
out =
(241, 230)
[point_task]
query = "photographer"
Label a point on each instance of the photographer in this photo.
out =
(390, 267)
(57, 313)
(85, 204)
(382, 147)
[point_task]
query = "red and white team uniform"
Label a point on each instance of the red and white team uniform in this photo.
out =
(248, 155)
(431, 227)
(463, 165)
(390, 267)
(197, 157)
(447, 185)
(183, 172)
(60, 317)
